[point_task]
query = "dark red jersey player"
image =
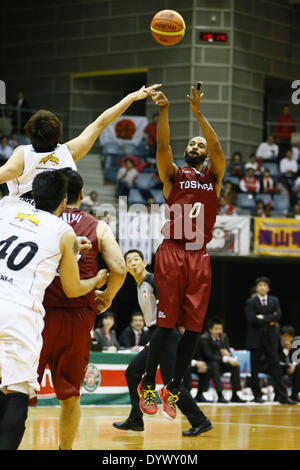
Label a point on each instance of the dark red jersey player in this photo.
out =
(182, 266)
(69, 321)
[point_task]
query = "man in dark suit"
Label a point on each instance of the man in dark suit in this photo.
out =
(21, 115)
(135, 335)
(215, 349)
(263, 313)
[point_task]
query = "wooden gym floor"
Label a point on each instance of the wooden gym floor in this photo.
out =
(236, 427)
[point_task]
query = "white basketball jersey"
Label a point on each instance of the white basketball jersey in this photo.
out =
(29, 254)
(35, 162)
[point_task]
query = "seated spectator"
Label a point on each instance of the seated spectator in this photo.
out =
(267, 182)
(135, 335)
(5, 150)
(236, 166)
(296, 152)
(89, 203)
(249, 183)
(105, 335)
(261, 210)
(268, 150)
(215, 350)
(199, 368)
(296, 211)
(229, 193)
(150, 135)
(288, 170)
(13, 140)
(226, 209)
(289, 367)
(126, 177)
(288, 166)
(254, 164)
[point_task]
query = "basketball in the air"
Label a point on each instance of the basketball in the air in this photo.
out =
(167, 27)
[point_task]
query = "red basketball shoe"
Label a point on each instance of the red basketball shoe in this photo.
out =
(168, 401)
(147, 400)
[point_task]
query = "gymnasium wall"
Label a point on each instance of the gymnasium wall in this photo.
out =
(42, 43)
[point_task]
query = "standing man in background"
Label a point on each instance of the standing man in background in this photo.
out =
(263, 313)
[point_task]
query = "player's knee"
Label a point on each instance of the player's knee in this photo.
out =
(70, 404)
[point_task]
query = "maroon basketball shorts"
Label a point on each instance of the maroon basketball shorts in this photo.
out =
(66, 346)
(183, 280)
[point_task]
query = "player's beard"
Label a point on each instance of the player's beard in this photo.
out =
(194, 160)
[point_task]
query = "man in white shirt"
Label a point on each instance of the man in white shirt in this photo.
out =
(288, 166)
(296, 152)
(126, 177)
(268, 150)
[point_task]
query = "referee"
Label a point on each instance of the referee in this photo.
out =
(147, 298)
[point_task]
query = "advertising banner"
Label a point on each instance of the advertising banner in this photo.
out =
(277, 237)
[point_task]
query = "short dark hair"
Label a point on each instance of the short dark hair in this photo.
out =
(75, 184)
(263, 279)
(136, 314)
(215, 321)
(49, 188)
(288, 330)
(134, 251)
(44, 129)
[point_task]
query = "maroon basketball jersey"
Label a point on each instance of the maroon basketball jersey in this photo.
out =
(191, 207)
(84, 225)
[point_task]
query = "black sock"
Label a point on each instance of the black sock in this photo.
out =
(12, 426)
(157, 343)
(185, 352)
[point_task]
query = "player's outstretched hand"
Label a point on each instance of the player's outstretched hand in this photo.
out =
(103, 300)
(196, 97)
(159, 98)
(144, 92)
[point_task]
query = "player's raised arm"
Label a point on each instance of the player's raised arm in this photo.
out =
(71, 283)
(13, 168)
(82, 144)
(216, 155)
(164, 158)
(112, 255)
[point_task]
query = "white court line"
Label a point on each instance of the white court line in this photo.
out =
(256, 425)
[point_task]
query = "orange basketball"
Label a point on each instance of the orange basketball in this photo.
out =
(167, 27)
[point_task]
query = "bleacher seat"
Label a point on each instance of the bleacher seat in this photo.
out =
(158, 196)
(112, 148)
(281, 203)
(135, 197)
(245, 201)
(235, 180)
(265, 197)
(145, 181)
(273, 167)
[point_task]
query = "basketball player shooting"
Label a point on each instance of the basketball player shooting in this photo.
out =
(182, 266)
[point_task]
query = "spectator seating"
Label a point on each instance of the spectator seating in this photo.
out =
(245, 201)
(135, 197)
(145, 181)
(113, 154)
(273, 167)
(265, 197)
(281, 203)
(158, 196)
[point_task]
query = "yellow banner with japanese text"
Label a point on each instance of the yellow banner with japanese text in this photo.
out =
(276, 237)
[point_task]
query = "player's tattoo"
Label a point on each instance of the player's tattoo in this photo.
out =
(75, 247)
